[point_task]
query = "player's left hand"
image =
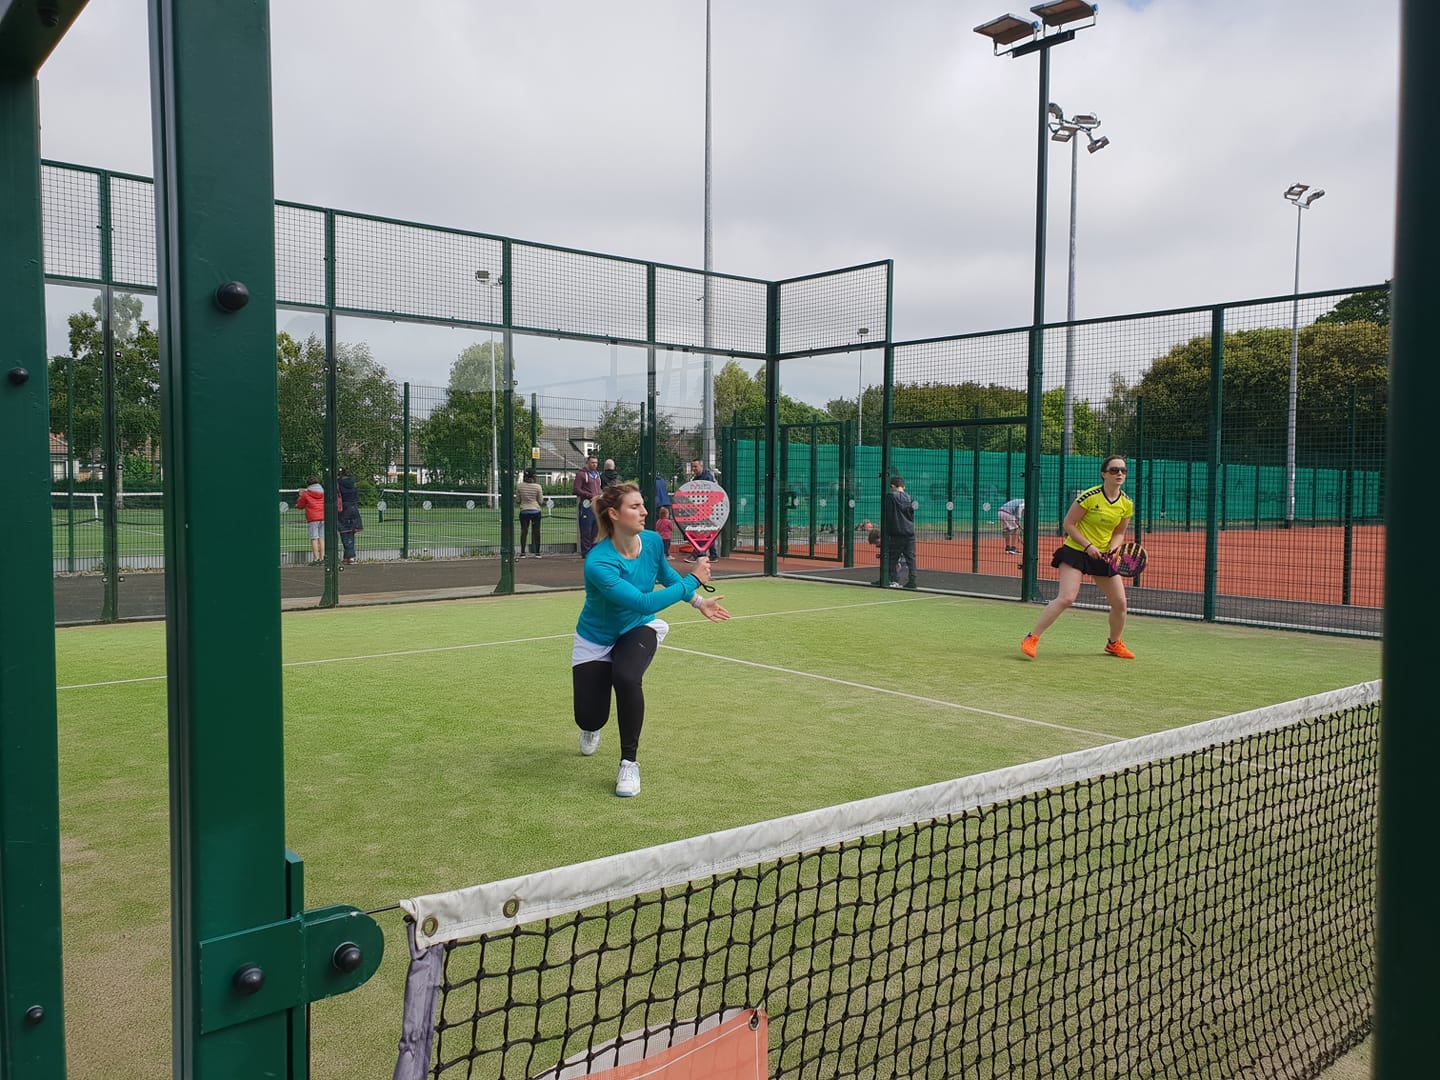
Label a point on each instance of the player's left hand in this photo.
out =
(711, 608)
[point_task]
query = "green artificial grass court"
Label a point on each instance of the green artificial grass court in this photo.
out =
(430, 746)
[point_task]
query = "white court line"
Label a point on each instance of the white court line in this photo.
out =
(511, 641)
(897, 693)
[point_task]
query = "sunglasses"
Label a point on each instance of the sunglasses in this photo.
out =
(1116, 469)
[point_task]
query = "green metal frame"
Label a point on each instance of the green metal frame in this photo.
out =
(1408, 950)
(246, 959)
(32, 1024)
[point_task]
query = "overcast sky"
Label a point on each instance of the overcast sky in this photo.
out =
(843, 131)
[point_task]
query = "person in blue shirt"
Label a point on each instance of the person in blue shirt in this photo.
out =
(617, 634)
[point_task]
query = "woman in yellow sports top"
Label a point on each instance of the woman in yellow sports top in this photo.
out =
(1094, 527)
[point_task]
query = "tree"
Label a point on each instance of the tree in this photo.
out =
(367, 400)
(1332, 357)
(137, 386)
(458, 439)
(1371, 307)
(472, 370)
(740, 401)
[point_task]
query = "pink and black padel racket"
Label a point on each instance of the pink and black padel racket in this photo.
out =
(700, 508)
(1128, 559)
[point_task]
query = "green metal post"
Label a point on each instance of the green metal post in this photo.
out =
(813, 488)
(1347, 497)
(405, 474)
(950, 485)
(505, 468)
(1407, 995)
(1212, 499)
(772, 425)
(215, 241)
(330, 596)
(70, 464)
(651, 418)
(975, 498)
(844, 464)
(109, 438)
(1138, 473)
(32, 1024)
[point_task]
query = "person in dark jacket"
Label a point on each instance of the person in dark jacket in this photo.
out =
(587, 490)
(897, 518)
(347, 507)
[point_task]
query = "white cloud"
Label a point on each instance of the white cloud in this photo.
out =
(844, 131)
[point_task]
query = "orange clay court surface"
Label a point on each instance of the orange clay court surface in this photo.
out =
(1304, 564)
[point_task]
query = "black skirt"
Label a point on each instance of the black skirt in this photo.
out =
(1082, 561)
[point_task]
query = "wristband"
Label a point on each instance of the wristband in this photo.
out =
(696, 601)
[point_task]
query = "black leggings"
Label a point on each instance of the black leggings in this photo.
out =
(624, 673)
(530, 522)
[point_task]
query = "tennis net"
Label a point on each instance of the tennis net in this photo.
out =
(1194, 903)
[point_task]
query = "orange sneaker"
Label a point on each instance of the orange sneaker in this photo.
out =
(1118, 648)
(1028, 644)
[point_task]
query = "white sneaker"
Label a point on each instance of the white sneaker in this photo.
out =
(628, 782)
(589, 742)
(894, 585)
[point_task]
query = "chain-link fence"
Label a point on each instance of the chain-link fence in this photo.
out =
(1256, 503)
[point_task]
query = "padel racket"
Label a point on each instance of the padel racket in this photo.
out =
(700, 508)
(1128, 559)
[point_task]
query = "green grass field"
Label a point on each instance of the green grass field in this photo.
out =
(430, 746)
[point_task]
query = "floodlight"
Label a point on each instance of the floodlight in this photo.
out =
(1098, 144)
(1313, 196)
(1060, 12)
(1057, 112)
(1007, 29)
(1063, 133)
(1085, 120)
(1294, 191)
(482, 276)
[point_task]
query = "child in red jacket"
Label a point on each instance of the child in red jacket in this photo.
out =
(312, 501)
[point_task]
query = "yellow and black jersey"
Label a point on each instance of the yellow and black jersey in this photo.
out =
(1102, 517)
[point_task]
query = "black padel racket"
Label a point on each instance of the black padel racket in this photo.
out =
(1128, 559)
(700, 508)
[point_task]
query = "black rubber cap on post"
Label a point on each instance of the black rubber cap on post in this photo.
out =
(347, 957)
(249, 979)
(232, 296)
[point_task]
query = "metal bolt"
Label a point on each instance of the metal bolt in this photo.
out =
(19, 376)
(347, 957)
(248, 980)
(232, 296)
(34, 1015)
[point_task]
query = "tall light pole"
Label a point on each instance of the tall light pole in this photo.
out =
(1297, 194)
(1064, 129)
(1015, 36)
(860, 387)
(483, 276)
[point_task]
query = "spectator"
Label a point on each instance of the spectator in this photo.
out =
(1012, 518)
(608, 475)
(665, 527)
(312, 501)
(587, 490)
(347, 506)
(530, 496)
(897, 519)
